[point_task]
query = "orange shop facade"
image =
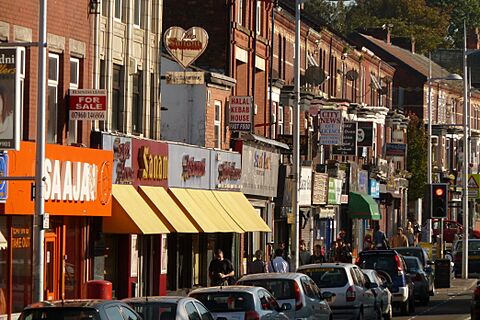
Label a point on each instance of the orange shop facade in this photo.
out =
(77, 195)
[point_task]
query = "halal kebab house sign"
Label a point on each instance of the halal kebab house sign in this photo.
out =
(88, 104)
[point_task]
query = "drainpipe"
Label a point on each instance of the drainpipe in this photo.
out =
(254, 71)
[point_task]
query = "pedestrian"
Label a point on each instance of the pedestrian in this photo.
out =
(278, 264)
(342, 252)
(399, 240)
(411, 236)
(258, 265)
(285, 255)
(221, 270)
(317, 256)
(304, 254)
(367, 242)
(379, 238)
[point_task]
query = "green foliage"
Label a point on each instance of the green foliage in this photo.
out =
(328, 13)
(417, 157)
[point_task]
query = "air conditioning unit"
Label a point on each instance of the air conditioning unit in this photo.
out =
(434, 140)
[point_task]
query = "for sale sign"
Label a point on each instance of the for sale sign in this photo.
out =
(240, 116)
(88, 104)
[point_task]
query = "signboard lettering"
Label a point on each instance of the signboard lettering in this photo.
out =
(349, 146)
(396, 149)
(192, 168)
(331, 123)
(185, 46)
(227, 171)
(21, 238)
(240, 115)
(152, 166)
(88, 104)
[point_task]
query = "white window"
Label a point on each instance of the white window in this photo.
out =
(53, 79)
(74, 84)
(22, 86)
(290, 124)
(137, 12)
(118, 9)
(240, 12)
(280, 120)
(274, 121)
(259, 17)
(217, 124)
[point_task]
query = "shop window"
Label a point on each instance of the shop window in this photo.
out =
(137, 13)
(117, 98)
(72, 258)
(137, 103)
(53, 82)
(74, 84)
(21, 244)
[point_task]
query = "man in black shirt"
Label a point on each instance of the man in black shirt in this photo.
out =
(220, 269)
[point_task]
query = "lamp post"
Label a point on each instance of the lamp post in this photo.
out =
(450, 77)
(465, 158)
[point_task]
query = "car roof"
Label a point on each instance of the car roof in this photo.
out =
(235, 288)
(77, 303)
(377, 252)
(328, 265)
(153, 299)
(273, 275)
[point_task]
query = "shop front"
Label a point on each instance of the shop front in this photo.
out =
(323, 215)
(78, 193)
(305, 206)
(334, 201)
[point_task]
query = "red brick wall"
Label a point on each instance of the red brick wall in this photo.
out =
(222, 96)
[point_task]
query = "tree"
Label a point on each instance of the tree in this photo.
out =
(328, 13)
(417, 157)
(413, 19)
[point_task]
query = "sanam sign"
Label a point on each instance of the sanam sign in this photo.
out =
(88, 104)
(240, 114)
(331, 124)
(185, 46)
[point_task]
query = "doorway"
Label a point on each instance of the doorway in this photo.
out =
(51, 287)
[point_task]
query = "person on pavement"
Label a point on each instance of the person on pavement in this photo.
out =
(411, 236)
(304, 253)
(379, 238)
(221, 270)
(278, 264)
(257, 266)
(399, 240)
(317, 256)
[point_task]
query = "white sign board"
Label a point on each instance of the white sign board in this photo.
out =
(240, 115)
(88, 104)
(186, 77)
(305, 196)
(331, 124)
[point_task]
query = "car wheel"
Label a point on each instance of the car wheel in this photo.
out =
(405, 308)
(412, 305)
(389, 314)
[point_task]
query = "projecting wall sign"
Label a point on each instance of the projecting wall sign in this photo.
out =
(185, 46)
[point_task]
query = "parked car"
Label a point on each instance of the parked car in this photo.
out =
(79, 309)
(240, 302)
(393, 264)
(354, 299)
(475, 303)
(452, 228)
(473, 257)
(422, 255)
(383, 297)
(420, 279)
(169, 308)
(295, 289)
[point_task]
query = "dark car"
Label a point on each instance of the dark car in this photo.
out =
(475, 303)
(473, 257)
(79, 309)
(393, 264)
(420, 279)
(422, 255)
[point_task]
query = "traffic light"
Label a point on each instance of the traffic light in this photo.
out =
(439, 198)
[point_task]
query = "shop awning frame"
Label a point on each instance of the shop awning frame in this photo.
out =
(363, 206)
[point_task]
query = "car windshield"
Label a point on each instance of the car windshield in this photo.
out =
(154, 310)
(226, 301)
(412, 252)
(60, 314)
(281, 289)
(326, 277)
(473, 245)
(413, 264)
(384, 262)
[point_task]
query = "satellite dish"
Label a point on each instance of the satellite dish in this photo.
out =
(314, 75)
(352, 75)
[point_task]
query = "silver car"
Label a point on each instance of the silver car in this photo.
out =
(383, 296)
(295, 289)
(240, 303)
(169, 308)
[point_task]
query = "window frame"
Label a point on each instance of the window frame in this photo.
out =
(137, 13)
(280, 120)
(53, 83)
(120, 9)
(217, 123)
(137, 102)
(258, 18)
(73, 124)
(240, 12)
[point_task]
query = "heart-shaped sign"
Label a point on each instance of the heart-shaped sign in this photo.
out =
(185, 46)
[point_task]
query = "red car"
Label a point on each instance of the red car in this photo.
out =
(450, 229)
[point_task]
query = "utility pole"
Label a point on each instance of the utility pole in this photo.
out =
(465, 157)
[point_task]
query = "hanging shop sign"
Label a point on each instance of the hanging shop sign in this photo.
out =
(349, 146)
(288, 140)
(88, 104)
(150, 163)
(185, 46)
(363, 181)
(305, 193)
(225, 170)
(374, 189)
(122, 158)
(259, 171)
(365, 134)
(189, 166)
(334, 191)
(10, 98)
(320, 188)
(396, 149)
(331, 125)
(241, 113)
(78, 181)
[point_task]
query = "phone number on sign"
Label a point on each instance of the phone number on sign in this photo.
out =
(87, 115)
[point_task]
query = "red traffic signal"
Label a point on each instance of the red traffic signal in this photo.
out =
(439, 200)
(439, 192)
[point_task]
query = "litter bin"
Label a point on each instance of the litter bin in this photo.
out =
(99, 289)
(442, 273)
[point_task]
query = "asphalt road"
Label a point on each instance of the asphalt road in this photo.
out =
(447, 304)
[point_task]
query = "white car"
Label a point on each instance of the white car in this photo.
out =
(240, 303)
(383, 296)
(295, 289)
(353, 299)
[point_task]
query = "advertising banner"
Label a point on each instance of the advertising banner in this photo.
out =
(331, 125)
(374, 189)
(365, 134)
(10, 66)
(396, 149)
(226, 170)
(334, 191)
(150, 163)
(185, 46)
(305, 194)
(188, 166)
(363, 181)
(88, 104)
(122, 158)
(259, 171)
(349, 146)
(240, 114)
(320, 188)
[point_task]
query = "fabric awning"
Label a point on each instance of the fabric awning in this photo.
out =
(201, 211)
(167, 210)
(131, 214)
(240, 209)
(363, 206)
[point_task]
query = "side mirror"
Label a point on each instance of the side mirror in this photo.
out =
(285, 307)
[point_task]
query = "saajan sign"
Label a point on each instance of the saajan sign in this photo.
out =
(88, 104)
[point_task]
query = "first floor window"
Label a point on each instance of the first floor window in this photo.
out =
(217, 124)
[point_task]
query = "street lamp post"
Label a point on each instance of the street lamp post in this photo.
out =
(465, 158)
